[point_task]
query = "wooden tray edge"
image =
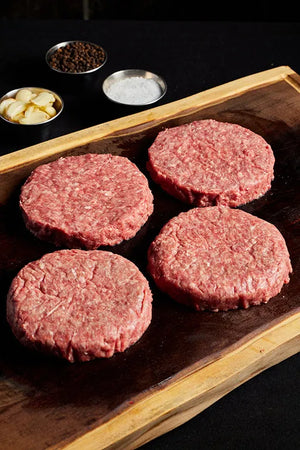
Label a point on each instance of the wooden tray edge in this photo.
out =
(202, 99)
(178, 402)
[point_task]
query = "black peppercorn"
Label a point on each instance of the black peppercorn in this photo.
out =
(76, 57)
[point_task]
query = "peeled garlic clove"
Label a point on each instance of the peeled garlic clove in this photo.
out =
(25, 121)
(29, 110)
(4, 104)
(18, 117)
(25, 95)
(43, 99)
(14, 109)
(50, 110)
(35, 116)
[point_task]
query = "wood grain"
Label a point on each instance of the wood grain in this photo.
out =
(168, 408)
(14, 167)
(185, 361)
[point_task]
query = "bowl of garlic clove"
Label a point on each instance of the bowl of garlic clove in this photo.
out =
(30, 106)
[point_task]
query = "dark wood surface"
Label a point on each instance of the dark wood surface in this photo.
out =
(64, 399)
(192, 56)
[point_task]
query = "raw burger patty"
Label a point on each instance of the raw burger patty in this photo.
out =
(79, 304)
(207, 163)
(86, 201)
(218, 258)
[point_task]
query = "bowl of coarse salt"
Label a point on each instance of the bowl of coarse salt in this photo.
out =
(134, 87)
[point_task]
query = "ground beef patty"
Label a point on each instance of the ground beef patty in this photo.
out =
(86, 201)
(79, 304)
(207, 163)
(218, 258)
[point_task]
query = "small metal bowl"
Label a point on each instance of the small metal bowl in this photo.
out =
(53, 49)
(122, 75)
(58, 104)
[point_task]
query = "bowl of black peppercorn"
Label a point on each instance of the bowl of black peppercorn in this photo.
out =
(76, 57)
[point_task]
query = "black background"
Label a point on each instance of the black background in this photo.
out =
(193, 52)
(264, 10)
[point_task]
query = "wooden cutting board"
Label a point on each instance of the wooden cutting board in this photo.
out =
(186, 360)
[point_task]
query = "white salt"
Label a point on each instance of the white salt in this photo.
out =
(134, 91)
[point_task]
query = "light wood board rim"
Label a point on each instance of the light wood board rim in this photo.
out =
(186, 396)
(57, 146)
(174, 404)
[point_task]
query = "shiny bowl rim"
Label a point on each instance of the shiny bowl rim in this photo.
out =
(12, 92)
(131, 73)
(52, 49)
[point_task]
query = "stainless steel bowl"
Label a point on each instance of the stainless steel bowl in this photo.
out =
(63, 44)
(58, 104)
(121, 75)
